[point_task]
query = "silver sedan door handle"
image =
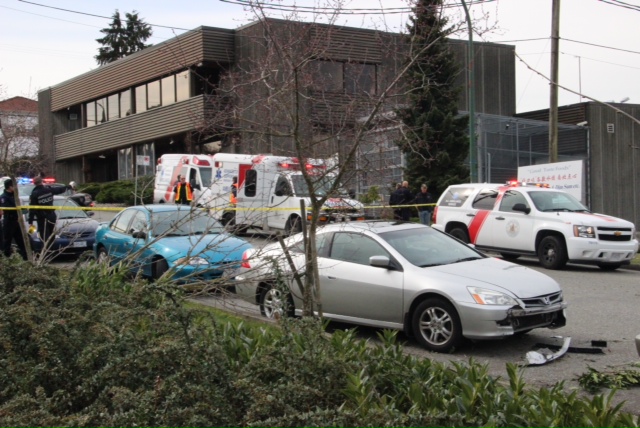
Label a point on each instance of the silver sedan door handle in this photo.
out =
(331, 277)
(499, 218)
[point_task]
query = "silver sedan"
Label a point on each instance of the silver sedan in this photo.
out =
(408, 277)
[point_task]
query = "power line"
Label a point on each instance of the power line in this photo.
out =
(600, 46)
(622, 4)
(343, 11)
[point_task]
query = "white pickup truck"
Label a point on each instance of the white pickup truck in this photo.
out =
(518, 219)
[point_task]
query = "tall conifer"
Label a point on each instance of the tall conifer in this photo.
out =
(436, 138)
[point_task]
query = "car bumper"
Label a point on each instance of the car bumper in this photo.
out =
(490, 322)
(586, 250)
(201, 273)
(65, 245)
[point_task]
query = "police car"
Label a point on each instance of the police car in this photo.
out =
(517, 219)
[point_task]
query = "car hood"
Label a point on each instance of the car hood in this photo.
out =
(595, 219)
(77, 225)
(499, 275)
(216, 248)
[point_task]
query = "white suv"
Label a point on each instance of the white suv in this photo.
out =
(519, 219)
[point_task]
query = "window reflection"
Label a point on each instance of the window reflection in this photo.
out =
(183, 83)
(113, 106)
(90, 111)
(141, 99)
(168, 90)
(153, 94)
(162, 92)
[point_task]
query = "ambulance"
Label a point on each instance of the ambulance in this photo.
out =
(268, 193)
(198, 171)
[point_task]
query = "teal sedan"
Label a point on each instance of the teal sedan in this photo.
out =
(177, 240)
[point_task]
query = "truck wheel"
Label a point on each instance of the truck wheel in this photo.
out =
(552, 253)
(460, 233)
(436, 325)
(293, 226)
(228, 219)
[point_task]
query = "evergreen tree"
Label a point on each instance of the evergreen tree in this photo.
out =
(435, 141)
(121, 40)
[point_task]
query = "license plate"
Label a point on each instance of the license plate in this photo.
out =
(79, 244)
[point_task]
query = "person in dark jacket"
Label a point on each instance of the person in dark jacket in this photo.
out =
(394, 199)
(45, 218)
(11, 230)
(405, 199)
(422, 198)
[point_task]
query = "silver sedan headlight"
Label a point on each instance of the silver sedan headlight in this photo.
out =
(584, 231)
(192, 261)
(482, 296)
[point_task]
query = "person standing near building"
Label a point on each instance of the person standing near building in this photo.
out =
(184, 192)
(42, 195)
(406, 198)
(423, 197)
(11, 230)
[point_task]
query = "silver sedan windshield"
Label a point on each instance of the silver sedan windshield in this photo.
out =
(427, 247)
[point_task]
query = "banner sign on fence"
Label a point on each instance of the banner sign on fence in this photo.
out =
(567, 176)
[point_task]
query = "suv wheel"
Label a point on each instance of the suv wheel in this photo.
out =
(460, 234)
(552, 253)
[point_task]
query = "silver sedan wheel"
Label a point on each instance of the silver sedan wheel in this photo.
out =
(436, 325)
(274, 304)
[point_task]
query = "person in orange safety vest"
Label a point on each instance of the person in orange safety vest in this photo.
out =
(184, 192)
(234, 191)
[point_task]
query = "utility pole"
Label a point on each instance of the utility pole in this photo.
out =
(473, 167)
(553, 104)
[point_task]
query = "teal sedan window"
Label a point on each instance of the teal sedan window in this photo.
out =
(184, 223)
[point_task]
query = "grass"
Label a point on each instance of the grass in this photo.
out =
(636, 260)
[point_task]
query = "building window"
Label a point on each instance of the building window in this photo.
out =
(125, 103)
(90, 113)
(360, 78)
(168, 90)
(141, 98)
(125, 163)
(153, 94)
(101, 110)
(183, 86)
(113, 106)
(327, 76)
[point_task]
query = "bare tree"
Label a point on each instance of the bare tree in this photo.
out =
(311, 90)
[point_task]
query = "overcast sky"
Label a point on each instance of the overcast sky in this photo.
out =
(42, 45)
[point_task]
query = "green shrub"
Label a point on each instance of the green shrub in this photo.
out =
(98, 348)
(91, 188)
(122, 191)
